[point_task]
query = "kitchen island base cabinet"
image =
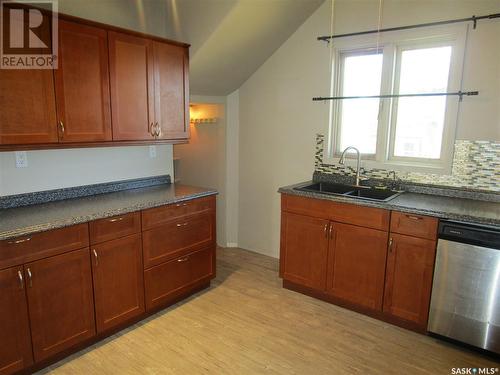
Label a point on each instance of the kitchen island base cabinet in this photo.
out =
(15, 350)
(304, 250)
(410, 266)
(356, 265)
(168, 281)
(118, 281)
(61, 302)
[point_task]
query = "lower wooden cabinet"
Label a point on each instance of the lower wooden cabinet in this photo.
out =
(304, 250)
(410, 265)
(61, 303)
(356, 265)
(118, 281)
(15, 348)
(169, 280)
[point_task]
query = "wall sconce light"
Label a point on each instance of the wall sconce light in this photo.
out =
(197, 117)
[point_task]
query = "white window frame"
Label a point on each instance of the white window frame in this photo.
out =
(392, 44)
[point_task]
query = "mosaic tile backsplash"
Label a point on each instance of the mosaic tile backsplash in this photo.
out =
(476, 165)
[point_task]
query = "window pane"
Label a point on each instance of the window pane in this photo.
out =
(420, 120)
(359, 119)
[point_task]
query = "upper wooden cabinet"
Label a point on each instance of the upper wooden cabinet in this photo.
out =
(28, 107)
(111, 85)
(171, 91)
(82, 84)
(132, 87)
(15, 348)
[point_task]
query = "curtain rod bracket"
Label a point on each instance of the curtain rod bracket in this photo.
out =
(474, 26)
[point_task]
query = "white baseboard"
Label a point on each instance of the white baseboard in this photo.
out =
(231, 244)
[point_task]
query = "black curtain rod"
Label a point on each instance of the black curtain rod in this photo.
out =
(473, 19)
(461, 94)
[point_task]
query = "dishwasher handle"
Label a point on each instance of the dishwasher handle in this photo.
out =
(472, 234)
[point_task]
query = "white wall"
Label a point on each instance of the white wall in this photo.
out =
(232, 168)
(54, 169)
(278, 120)
(73, 167)
(202, 162)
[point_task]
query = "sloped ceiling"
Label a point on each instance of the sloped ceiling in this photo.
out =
(229, 39)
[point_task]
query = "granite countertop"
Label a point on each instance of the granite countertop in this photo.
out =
(452, 208)
(26, 220)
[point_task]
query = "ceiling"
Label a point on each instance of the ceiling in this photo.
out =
(230, 39)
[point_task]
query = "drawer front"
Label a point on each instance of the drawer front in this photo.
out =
(114, 227)
(41, 245)
(177, 238)
(369, 217)
(161, 215)
(169, 280)
(414, 225)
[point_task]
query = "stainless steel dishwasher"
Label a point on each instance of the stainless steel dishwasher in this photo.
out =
(465, 302)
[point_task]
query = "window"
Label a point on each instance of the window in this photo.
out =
(405, 131)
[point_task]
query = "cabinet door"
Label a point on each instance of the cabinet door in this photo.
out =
(168, 281)
(171, 91)
(304, 250)
(118, 281)
(27, 104)
(15, 348)
(356, 265)
(82, 84)
(60, 300)
(410, 265)
(132, 87)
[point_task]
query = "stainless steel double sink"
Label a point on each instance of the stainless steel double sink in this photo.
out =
(356, 192)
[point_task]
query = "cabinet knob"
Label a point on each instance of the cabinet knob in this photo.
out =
(96, 257)
(152, 130)
(21, 280)
(61, 125)
(30, 277)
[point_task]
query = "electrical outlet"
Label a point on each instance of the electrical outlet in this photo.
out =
(21, 159)
(152, 152)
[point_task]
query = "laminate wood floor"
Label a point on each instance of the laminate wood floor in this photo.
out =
(245, 323)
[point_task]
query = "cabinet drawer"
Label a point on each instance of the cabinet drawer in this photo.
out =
(369, 217)
(41, 245)
(414, 225)
(160, 215)
(114, 227)
(177, 238)
(169, 280)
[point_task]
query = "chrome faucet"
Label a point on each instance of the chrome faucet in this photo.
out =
(358, 165)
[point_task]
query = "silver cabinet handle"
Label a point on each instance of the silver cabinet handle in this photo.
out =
(157, 130)
(61, 125)
(185, 259)
(96, 257)
(21, 279)
(181, 204)
(30, 277)
(390, 244)
(182, 225)
(115, 219)
(19, 241)
(151, 129)
(412, 217)
(330, 231)
(325, 229)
